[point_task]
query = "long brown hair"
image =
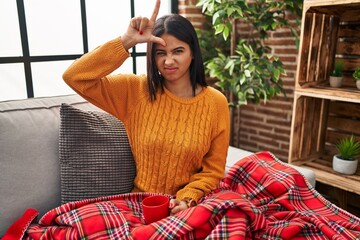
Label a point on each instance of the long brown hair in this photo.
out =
(182, 29)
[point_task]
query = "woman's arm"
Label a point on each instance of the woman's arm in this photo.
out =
(90, 77)
(214, 161)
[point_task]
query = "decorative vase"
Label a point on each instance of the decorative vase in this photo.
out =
(358, 84)
(335, 81)
(344, 166)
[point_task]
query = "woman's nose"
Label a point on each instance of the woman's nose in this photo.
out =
(169, 59)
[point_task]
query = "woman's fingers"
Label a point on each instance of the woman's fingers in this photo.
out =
(173, 203)
(177, 206)
(157, 40)
(156, 11)
(143, 24)
(135, 23)
(140, 30)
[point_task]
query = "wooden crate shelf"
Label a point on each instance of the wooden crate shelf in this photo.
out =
(325, 174)
(322, 115)
(340, 94)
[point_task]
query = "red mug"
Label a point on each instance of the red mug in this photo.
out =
(155, 208)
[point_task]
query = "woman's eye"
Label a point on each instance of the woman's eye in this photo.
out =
(160, 54)
(178, 51)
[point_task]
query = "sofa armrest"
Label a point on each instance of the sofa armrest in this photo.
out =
(235, 154)
(29, 155)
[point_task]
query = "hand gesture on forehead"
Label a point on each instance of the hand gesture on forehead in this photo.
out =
(140, 30)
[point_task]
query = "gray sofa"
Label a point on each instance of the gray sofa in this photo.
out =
(31, 175)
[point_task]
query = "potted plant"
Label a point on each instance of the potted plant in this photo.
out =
(346, 161)
(336, 75)
(356, 75)
(242, 65)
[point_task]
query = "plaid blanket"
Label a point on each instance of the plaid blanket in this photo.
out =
(260, 198)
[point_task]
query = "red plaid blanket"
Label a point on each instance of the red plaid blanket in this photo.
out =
(260, 198)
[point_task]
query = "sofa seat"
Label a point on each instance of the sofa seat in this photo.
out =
(29, 155)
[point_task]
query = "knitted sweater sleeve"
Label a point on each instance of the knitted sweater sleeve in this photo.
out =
(90, 77)
(214, 161)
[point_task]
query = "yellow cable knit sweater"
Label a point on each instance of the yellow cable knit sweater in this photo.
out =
(179, 145)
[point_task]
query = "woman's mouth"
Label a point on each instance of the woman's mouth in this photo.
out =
(170, 70)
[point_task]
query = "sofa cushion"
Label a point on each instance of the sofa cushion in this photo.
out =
(29, 160)
(95, 155)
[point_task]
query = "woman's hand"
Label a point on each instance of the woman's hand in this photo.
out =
(140, 30)
(177, 206)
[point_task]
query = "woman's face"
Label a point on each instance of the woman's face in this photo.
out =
(173, 60)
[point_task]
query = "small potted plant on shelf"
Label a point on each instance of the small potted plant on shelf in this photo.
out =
(356, 75)
(346, 161)
(336, 75)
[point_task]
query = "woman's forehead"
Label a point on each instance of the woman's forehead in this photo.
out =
(171, 42)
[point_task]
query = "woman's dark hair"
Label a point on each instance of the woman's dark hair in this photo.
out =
(182, 29)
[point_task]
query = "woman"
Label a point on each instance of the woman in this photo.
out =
(178, 127)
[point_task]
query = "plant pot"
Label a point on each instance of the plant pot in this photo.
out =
(344, 166)
(335, 81)
(358, 84)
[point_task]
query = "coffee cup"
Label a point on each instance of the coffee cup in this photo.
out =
(155, 208)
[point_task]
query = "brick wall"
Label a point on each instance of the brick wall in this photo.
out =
(262, 127)
(188, 9)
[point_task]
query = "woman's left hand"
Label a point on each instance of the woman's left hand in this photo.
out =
(140, 30)
(177, 206)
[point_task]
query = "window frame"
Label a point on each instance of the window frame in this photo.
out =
(26, 59)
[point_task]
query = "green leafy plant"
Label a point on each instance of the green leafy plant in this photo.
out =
(348, 148)
(338, 69)
(356, 74)
(251, 74)
(245, 67)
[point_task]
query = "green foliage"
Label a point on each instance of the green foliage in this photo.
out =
(348, 148)
(250, 75)
(249, 71)
(338, 68)
(356, 74)
(210, 43)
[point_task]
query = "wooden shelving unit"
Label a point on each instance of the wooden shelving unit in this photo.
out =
(321, 114)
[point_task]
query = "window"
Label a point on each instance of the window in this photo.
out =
(41, 38)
